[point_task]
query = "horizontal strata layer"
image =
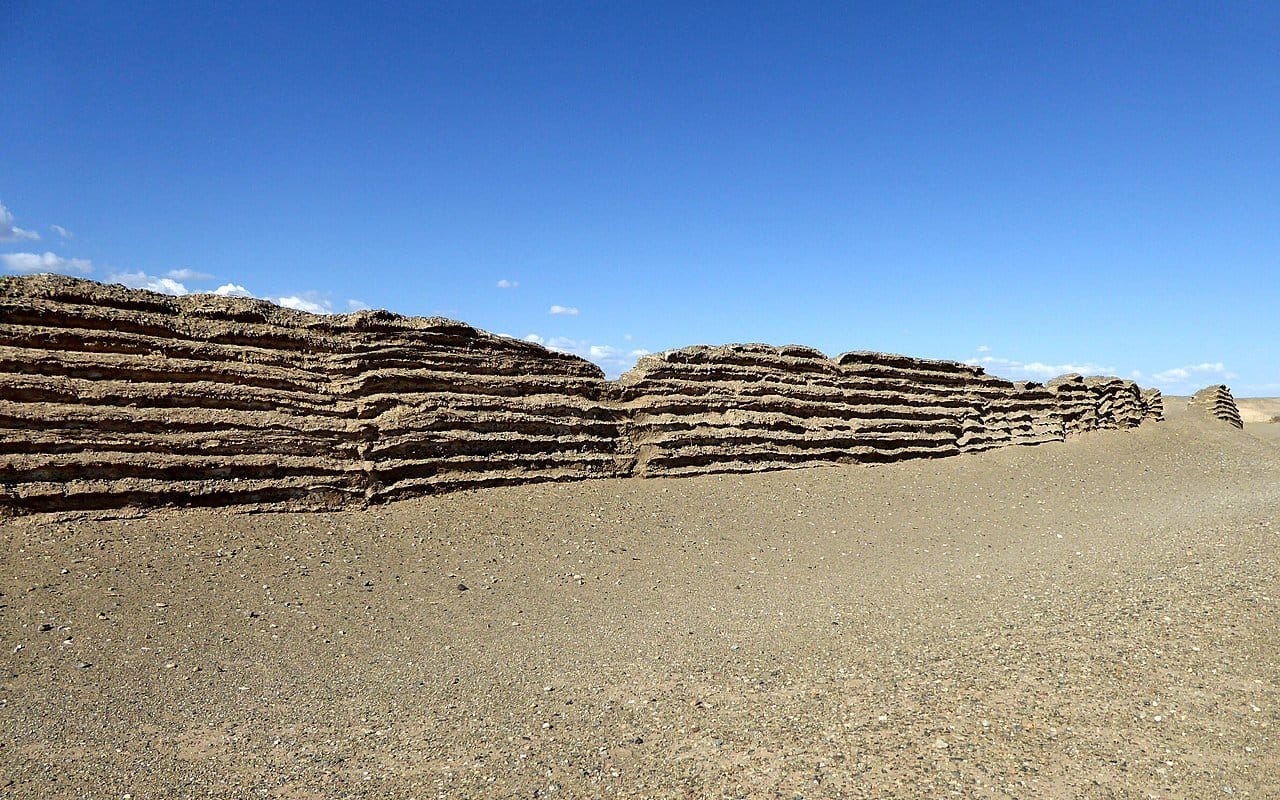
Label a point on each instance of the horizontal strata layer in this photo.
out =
(749, 407)
(112, 397)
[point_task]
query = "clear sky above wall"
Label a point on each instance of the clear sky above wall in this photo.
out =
(1039, 188)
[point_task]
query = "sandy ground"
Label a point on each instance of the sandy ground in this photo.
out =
(1094, 619)
(1258, 409)
(1257, 413)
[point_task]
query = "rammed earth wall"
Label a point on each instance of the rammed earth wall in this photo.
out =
(112, 397)
(1219, 402)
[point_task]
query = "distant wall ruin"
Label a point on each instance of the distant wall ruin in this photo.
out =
(1218, 402)
(111, 397)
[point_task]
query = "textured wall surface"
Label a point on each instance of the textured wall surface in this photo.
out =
(112, 397)
(1153, 405)
(1218, 401)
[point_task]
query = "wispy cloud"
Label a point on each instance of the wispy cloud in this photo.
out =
(1189, 378)
(982, 348)
(187, 275)
(1182, 377)
(30, 263)
(152, 283)
(507, 284)
(563, 311)
(232, 290)
(1175, 380)
(10, 232)
(310, 302)
(1035, 370)
(613, 360)
(173, 282)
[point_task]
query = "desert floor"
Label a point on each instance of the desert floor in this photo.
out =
(1093, 619)
(1257, 413)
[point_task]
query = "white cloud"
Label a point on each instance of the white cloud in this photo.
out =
(151, 283)
(564, 311)
(1035, 370)
(506, 284)
(564, 344)
(10, 232)
(232, 290)
(171, 283)
(1175, 380)
(168, 286)
(1194, 372)
(357, 305)
(1185, 379)
(1172, 375)
(187, 275)
(613, 360)
(29, 263)
(61, 231)
(982, 348)
(310, 303)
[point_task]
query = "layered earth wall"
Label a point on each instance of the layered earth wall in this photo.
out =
(111, 397)
(1218, 402)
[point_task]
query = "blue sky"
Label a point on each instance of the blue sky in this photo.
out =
(1041, 187)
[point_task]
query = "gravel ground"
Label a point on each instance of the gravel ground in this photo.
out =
(1093, 619)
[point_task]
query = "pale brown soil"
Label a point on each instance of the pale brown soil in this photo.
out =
(1258, 414)
(1089, 619)
(1258, 409)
